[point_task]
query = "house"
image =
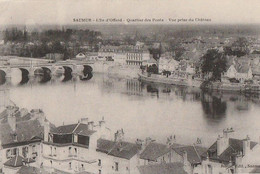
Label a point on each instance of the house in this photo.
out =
(185, 69)
(164, 168)
(226, 154)
(248, 161)
(167, 65)
(55, 56)
(117, 156)
(21, 133)
(72, 148)
(241, 72)
(136, 57)
(149, 62)
(80, 56)
(14, 164)
(31, 170)
(188, 155)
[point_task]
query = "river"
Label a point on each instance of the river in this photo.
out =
(141, 109)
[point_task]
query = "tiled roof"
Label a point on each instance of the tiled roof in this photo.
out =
(122, 149)
(193, 153)
(235, 146)
(16, 161)
(79, 128)
(31, 170)
(164, 168)
(25, 131)
(242, 68)
(104, 145)
(66, 129)
(153, 151)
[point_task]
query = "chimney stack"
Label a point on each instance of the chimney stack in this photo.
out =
(11, 119)
(39, 115)
(246, 145)
(84, 120)
(198, 142)
(119, 135)
(185, 157)
(23, 112)
(46, 131)
(91, 125)
(171, 140)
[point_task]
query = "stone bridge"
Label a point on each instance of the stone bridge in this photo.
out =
(68, 68)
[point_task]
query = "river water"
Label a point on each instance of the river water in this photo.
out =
(141, 109)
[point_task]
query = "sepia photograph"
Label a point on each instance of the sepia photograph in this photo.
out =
(129, 87)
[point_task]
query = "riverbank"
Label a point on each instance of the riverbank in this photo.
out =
(199, 83)
(116, 70)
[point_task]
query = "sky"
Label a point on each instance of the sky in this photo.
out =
(31, 12)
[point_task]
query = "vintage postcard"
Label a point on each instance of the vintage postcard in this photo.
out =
(129, 86)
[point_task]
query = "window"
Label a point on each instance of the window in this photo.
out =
(82, 167)
(99, 162)
(8, 153)
(127, 168)
(209, 169)
(69, 165)
(11, 152)
(99, 171)
(33, 148)
(25, 151)
(54, 153)
(116, 166)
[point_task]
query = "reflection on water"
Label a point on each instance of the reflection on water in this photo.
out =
(142, 109)
(214, 107)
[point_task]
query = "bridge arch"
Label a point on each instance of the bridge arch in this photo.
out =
(25, 75)
(67, 73)
(2, 76)
(43, 73)
(87, 72)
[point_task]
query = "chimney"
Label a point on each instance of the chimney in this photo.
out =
(11, 119)
(171, 140)
(46, 131)
(246, 145)
(91, 125)
(185, 158)
(223, 142)
(84, 120)
(198, 142)
(39, 115)
(102, 123)
(119, 135)
(23, 112)
(148, 140)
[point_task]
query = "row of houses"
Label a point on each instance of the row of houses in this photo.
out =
(31, 144)
(118, 54)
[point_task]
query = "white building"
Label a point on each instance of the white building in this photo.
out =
(118, 156)
(167, 65)
(240, 72)
(189, 156)
(80, 56)
(20, 141)
(227, 155)
(72, 148)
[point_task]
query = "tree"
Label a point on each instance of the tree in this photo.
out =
(214, 62)
(238, 48)
(153, 69)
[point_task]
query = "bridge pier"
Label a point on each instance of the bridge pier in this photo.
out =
(31, 72)
(8, 75)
